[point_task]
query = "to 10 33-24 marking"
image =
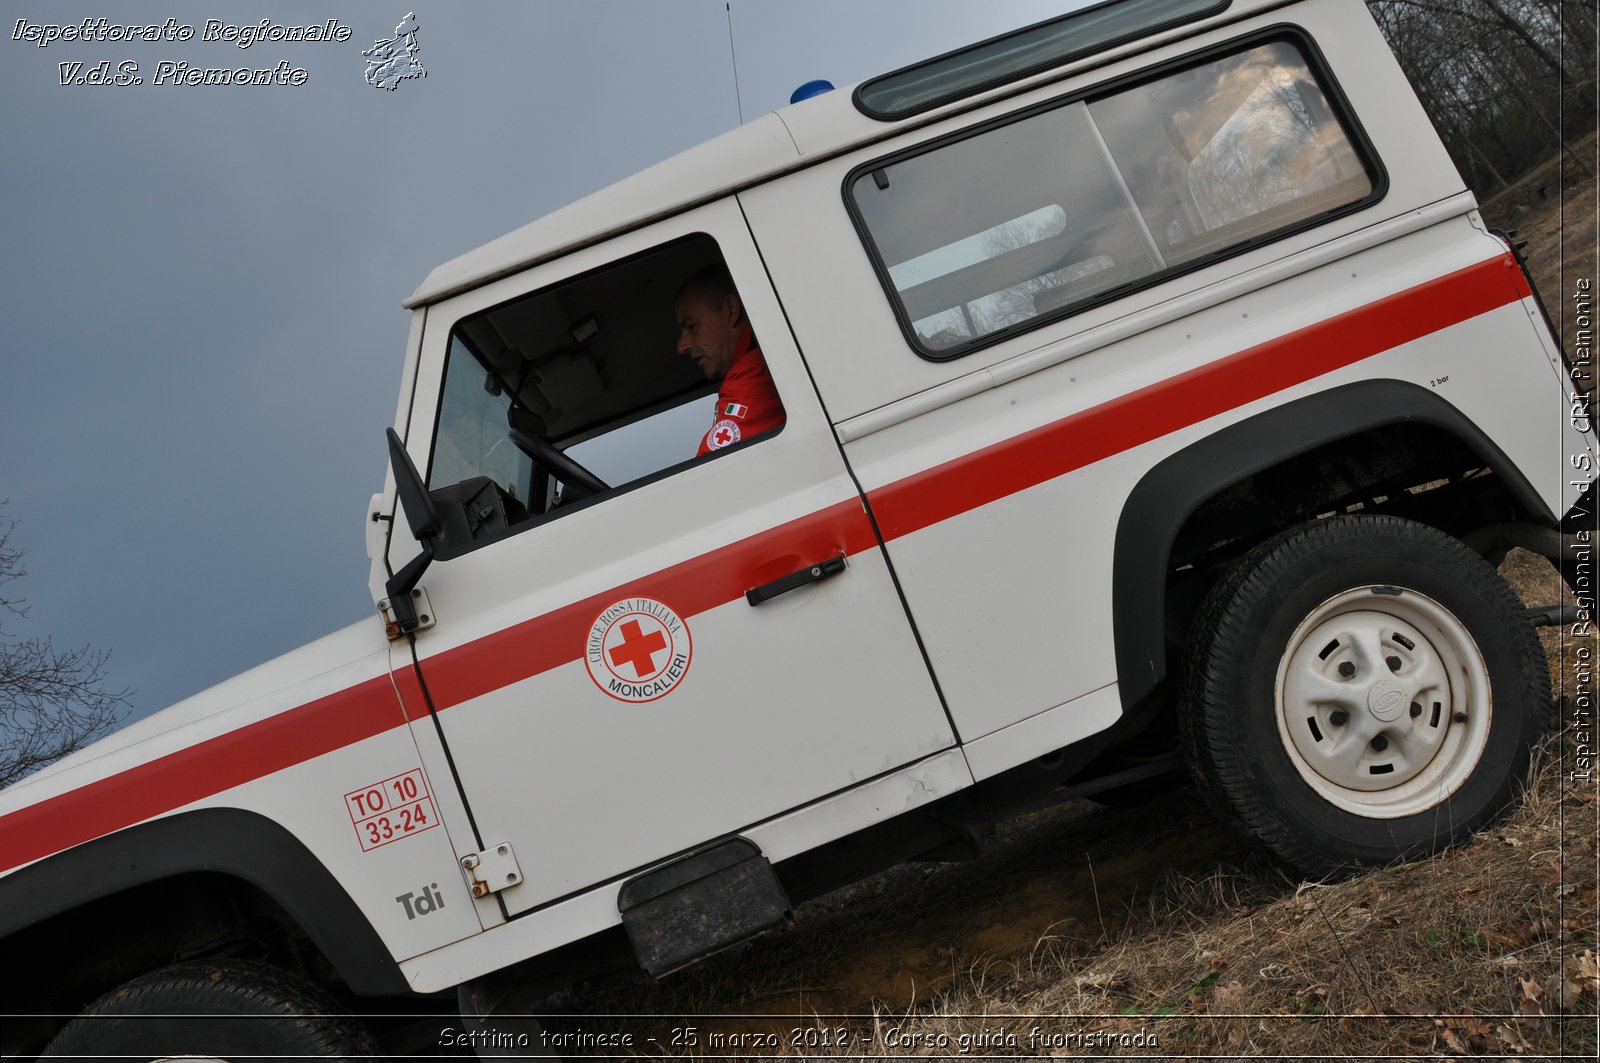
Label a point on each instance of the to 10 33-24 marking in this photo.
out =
(393, 808)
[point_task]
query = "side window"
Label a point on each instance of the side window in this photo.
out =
(976, 233)
(1250, 145)
(1042, 215)
(591, 387)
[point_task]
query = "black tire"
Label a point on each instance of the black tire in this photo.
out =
(214, 1010)
(1319, 606)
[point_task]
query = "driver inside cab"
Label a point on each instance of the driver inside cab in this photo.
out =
(713, 331)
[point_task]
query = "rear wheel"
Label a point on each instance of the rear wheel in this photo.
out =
(223, 1010)
(1362, 690)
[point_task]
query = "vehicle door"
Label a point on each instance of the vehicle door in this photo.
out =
(607, 692)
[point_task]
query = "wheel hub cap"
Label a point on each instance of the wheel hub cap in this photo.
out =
(1386, 701)
(1383, 701)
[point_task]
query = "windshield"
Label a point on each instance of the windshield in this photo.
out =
(472, 438)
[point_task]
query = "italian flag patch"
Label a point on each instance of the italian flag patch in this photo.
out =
(734, 409)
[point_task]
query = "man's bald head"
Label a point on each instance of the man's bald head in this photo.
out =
(709, 315)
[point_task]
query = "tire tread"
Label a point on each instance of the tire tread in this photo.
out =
(227, 987)
(1222, 635)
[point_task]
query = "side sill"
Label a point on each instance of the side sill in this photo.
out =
(1052, 729)
(588, 913)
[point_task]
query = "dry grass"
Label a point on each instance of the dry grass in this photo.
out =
(1082, 929)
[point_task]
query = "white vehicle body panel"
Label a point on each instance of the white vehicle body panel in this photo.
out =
(810, 693)
(788, 835)
(814, 265)
(1030, 612)
(730, 161)
(978, 502)
(278, 726)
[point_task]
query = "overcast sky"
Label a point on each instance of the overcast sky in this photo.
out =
(201, 284)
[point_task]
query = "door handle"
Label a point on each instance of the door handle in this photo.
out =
(810, 574)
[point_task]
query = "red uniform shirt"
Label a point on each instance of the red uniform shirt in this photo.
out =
(747, 403)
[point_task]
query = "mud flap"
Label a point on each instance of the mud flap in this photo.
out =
(703, 902)
(495, 1030)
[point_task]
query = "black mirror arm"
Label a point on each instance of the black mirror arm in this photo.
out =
(400, 585)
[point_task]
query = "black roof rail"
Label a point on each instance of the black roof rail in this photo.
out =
(1021, 53)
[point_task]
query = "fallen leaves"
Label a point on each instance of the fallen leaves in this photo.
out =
(1562, 990)
(1463, 1034)
(1532, 995)
(1511, 1037)
(1588, 969)
(1578, 975)
(1544, 926)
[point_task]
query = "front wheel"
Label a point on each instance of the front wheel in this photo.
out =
(223, 1010)
(1362, 690)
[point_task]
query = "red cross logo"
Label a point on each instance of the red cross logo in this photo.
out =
(648, 635)
(638, 649)
(723, 433)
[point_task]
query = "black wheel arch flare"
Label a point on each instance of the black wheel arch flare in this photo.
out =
(226, 841)
(1164, 499)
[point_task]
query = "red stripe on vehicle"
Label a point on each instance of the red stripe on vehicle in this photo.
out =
(199, 771)
(1052, 450)
(370, 708)
(696, 585)
(716, 577)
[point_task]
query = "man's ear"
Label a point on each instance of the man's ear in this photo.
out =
(732, 309)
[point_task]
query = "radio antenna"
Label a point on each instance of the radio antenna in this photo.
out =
(737, 102)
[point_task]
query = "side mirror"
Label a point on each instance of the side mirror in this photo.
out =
(414, 497)
(424, 521)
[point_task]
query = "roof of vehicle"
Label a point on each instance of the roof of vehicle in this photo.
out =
(736, 159)
(763, 148)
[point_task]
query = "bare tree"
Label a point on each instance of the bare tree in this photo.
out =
(51, 701)
(1507, 82)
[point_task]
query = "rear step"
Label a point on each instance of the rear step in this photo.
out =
(1552, 615)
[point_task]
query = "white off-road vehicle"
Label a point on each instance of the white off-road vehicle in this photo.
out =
(1149, 381)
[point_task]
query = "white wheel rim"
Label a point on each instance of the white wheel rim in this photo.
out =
(1383, 702)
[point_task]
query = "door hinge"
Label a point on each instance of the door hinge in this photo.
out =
(424, 608)
(492, 870)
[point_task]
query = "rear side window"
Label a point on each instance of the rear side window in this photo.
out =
(1065, 207)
